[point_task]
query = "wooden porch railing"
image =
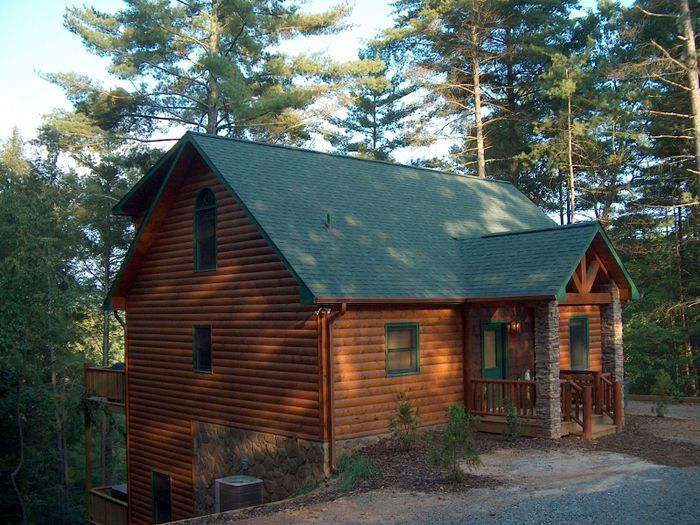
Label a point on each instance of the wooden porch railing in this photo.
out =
(606, 398)
(490, 397)
(106, 383)
(105, 509)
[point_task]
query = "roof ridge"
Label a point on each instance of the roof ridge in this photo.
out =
(339, 155)
(537, 230)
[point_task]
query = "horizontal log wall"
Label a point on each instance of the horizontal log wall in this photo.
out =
(595, 353)
(364, 397)
(264, 355)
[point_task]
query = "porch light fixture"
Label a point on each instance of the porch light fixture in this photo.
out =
(515, 327)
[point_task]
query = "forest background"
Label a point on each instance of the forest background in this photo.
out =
(592, 113)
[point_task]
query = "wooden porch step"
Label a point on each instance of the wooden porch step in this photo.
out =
(602, 426)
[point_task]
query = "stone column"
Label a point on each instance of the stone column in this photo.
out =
(611, 333)
(547, 388)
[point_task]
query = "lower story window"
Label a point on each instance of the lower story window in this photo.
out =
(402, 352)
(160, 497)
(578, 343)
(201, 348)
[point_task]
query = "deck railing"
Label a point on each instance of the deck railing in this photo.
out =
(105, 509)
(490, 397)
(605, 394)
(106, 383)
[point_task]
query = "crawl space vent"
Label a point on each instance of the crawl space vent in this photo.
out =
(237, 492)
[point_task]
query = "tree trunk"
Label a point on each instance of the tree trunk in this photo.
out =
(213, 82)
(60, 437)
(693, 83)
(478, 123)
(560, 184)
(20, 462)
(570, 160)
(512, 122)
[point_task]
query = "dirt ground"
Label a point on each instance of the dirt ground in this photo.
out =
(512, 478)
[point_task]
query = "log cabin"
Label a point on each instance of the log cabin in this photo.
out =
(277, 300)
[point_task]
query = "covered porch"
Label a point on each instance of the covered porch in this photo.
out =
(555, 362)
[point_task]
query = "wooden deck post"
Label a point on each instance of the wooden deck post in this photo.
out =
(587, 412)
(619, 413)
(598, 386)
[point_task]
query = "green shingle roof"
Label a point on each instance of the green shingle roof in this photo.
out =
(398, 231)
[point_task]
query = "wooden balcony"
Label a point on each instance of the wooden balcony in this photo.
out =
(107, 506)
(107, 385)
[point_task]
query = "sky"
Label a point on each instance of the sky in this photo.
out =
(33, 41)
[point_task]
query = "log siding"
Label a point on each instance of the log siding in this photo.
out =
(264, 346)
(364, 397)
(594, 339)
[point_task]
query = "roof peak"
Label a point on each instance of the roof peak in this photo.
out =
(341, 156)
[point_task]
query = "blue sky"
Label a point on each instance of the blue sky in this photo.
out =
(33, 40)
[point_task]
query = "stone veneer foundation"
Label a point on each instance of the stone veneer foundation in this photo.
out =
(285, 464)
(547, 386)
(611, 334)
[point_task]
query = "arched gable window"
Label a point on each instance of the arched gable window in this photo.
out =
(205, 231)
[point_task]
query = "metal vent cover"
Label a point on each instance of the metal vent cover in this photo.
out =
(237, 492)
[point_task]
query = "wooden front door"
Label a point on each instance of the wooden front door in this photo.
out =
(493, 351)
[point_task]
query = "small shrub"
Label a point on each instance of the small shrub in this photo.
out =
(457, 443)
(305, 489)
(514, 425)
(662, 389)
(404, 425)
(352, 469)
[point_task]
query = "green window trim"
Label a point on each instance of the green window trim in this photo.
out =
(586, 322)
(157, 479)
(414, 348)
(205, 209)
(197, 360)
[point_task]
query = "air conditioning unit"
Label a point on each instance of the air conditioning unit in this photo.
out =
(237, 492)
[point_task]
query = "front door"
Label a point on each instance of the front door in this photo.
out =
(493, 352)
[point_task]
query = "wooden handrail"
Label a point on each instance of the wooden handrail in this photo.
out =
(490, 397)
(105, 509)
(106, 383)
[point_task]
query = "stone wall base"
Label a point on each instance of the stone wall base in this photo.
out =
(285, 464)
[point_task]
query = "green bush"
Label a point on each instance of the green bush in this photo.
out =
(457, 443)
(662, 389)
(514, 425)
(353, 468)
(404, 425)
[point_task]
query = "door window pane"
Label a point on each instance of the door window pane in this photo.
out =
(490, 351)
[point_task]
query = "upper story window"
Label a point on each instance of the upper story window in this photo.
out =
(205, 231)
(402, 354)
(579, 343)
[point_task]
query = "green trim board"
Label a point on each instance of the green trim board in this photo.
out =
(196, 350)
(414, 348)
(587, 336)
(160, 481)
(501, 343)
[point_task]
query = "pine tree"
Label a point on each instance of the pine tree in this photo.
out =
(380, 107)
(208, 65)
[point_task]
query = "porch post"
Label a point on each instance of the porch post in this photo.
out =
(547, 387)
(611, 333)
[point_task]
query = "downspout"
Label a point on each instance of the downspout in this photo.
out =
(327, 317)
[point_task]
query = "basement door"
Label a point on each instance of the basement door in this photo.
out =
(493, 351)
